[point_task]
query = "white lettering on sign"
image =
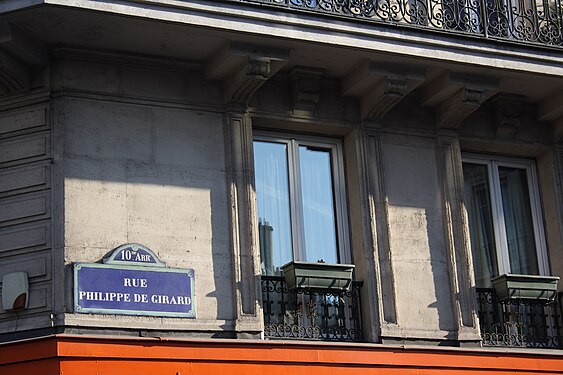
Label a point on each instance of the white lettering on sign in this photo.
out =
(135, 283)
(140, 298)
(105, 296)
(137, 298)
(134, 256)
(170, 300)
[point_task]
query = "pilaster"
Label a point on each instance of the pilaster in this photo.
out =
(244, 234)
(243, 69)
(380, 228)
(456, 230)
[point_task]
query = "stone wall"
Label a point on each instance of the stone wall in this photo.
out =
(26, 206)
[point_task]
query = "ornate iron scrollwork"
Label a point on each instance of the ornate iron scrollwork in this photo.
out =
(519, 20)
(310, 314)
(519, 322)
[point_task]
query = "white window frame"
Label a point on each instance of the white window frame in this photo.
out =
(501, 243)
(293, 141)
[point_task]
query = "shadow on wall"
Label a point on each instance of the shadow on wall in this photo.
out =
(440, 270)
(154, 176)
(417, 240)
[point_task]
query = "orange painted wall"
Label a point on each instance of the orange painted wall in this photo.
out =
(71, 355)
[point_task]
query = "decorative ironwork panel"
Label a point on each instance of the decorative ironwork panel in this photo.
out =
(535, 21)
(310, 314)
(519, 323)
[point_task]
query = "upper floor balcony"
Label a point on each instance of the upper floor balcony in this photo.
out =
(523, 21)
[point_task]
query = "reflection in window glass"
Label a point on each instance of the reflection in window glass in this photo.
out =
(518, 221)
(504, 218)
(272, 193)
(481, 229)
(318, 205)
(298, 209)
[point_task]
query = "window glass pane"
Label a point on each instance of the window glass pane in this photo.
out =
(481, 228)
(318, 205)
(518, 221)
(272, 195)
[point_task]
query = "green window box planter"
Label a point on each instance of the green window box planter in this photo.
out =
(529, 287)
(320, 276)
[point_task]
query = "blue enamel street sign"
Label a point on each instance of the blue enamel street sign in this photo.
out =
(113, 288)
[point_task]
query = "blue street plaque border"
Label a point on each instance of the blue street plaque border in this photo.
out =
(85, 310)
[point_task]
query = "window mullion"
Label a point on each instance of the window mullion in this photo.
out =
(338, 182)
(499, 224)
(539, 237)
(296, 202)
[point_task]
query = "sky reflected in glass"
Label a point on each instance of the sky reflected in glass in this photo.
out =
(318, 205)
(272, 195)
(304, 184)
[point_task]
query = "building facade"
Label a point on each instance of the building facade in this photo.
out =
(403, 155)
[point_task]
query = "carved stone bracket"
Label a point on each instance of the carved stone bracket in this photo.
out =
(381, 86)
(305, 88)
(19, 54)
(453, 111)
(248, 78)
(244, 69)
(507, 115)
(456, 96)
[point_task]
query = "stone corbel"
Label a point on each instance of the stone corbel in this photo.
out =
(305, 88)
(248, 78)
(456, 96)
(19, 55)
(244, 69)
(507, 115)
(457, 108)
(381, 86)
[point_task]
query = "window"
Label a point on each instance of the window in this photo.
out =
(505, 219)
(301, 200)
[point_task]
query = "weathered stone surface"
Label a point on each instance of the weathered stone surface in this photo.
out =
(25, 207)
(22, 120)
(153, 176)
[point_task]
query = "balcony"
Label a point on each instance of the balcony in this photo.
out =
(308, 314)
(522, 21)
(520, 322)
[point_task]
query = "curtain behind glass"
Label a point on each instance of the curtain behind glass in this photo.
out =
(272, 196)
(518, 221)
(319, 219)
(479, 212)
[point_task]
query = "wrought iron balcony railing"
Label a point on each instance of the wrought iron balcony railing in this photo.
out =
(534, 21)
(310, 314)
(519, 323)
